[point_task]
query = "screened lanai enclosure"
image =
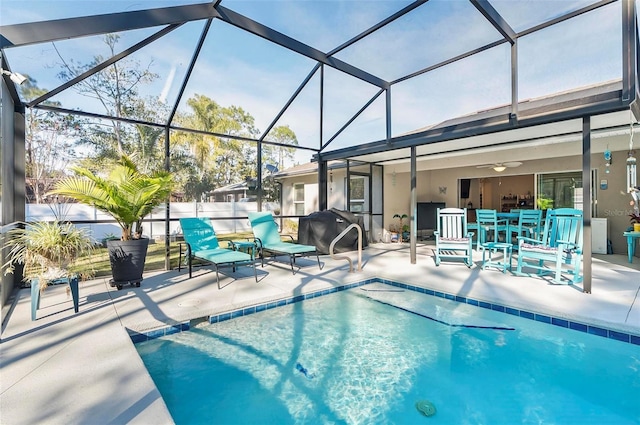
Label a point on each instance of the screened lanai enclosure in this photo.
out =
(234, 91)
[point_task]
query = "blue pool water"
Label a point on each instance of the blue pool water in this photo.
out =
(368, 355)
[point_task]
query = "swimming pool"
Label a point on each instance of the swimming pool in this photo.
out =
(370, 354)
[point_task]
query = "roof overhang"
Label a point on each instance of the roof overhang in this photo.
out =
(479, 137)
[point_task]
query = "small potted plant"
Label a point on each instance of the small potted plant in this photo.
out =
(47, 251)
(402, 228)
(128, 195)
(634, 218)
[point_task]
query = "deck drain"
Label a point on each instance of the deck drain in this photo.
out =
(426, 407)
(189, 303)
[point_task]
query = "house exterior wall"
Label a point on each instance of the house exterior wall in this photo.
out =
(336, 186)
(612, 203)
(442, 186)
(310, 193)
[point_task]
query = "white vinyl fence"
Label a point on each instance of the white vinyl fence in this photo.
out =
(153, 230)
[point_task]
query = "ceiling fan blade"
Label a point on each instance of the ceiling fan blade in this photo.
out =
(512, 164)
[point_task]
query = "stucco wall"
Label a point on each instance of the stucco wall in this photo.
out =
(310, 194)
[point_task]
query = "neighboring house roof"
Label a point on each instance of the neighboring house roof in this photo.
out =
(306, 169)
(234, 187)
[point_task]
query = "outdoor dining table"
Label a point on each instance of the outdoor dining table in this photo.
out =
(511, 219)
(509, 216)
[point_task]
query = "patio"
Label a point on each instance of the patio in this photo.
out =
(83, 368)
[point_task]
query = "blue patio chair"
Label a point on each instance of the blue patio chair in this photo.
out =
(202, 243)
(559, 249)
(268, 239)
(491, 231)
(453, 240)
(529, 225)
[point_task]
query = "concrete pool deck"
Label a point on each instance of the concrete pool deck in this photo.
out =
(83, 368)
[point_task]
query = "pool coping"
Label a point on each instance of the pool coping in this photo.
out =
(551, 319)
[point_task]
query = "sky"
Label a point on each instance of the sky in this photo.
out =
(236, 68)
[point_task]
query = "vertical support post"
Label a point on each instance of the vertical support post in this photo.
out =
(586, 203)
(629, 50)
(322, 184)
(413, 208)
(321, 118)
(513, 117)
(13, 166)
(370, 203)
(348, 206)
(167, 216)
(12, 160)
(388, 111)
(259, 173)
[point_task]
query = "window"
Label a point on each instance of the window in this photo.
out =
(356, 194)
(298, 198)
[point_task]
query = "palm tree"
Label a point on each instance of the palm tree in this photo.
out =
(126, 194)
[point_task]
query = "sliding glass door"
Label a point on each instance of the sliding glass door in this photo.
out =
(561, 190)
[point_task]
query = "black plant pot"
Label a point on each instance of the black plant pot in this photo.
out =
(127, 261)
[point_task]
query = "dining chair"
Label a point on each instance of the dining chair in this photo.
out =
(489, 239)
(529, 225)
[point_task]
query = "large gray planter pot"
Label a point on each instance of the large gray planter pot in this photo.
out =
(127, 261)
(35, 294)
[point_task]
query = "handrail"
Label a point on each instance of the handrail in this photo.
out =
(344, 257)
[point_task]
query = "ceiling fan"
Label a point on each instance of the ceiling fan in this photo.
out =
(501, 166)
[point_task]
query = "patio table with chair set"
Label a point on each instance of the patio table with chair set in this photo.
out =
(554, 249)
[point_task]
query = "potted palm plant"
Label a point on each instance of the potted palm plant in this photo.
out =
(47, 251)
(128, 195)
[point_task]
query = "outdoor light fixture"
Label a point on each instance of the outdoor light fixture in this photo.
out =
(15, 77)
(499, 168)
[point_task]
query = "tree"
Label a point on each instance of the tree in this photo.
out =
(278, 154)
(218, 161)
(49, 138)
(116, 89)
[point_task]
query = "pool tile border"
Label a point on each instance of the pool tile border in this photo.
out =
(137, 337)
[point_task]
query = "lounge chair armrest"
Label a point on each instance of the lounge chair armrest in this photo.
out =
(289, 236)
(258, 242)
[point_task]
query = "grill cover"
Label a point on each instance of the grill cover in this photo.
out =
(321, 227)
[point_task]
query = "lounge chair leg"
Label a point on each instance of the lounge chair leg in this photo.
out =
(217, 276)
(255, 273)
(189, 266)
(292, 260)
(318, 257)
